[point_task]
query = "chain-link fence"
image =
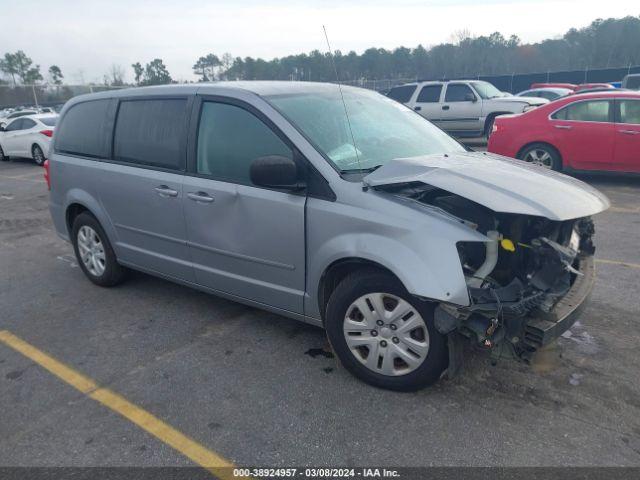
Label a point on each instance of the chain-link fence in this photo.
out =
(516, 82)
(44, 95)
(56, 95)
(383, 85)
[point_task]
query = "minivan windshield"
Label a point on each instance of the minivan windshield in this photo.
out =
(383, 129)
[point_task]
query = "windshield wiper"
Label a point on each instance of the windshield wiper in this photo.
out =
(361, 170)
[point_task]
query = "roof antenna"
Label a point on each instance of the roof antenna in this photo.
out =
(344, 104)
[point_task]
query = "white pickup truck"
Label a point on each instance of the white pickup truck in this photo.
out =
(464, 108)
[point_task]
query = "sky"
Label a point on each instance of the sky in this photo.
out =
(85, 38)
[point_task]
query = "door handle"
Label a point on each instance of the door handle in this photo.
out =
(165, 191)
(200, 197)
(417, 109)
(630, 132)
(563, 127)
(445, 107)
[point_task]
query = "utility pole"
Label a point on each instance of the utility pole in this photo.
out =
(35, 97)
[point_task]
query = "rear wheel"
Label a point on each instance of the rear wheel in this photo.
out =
(542, 155)
(94, 253)
(38, 155)
(382, 334)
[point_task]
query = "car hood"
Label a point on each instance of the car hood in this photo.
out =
(502, 184)
(529, 100)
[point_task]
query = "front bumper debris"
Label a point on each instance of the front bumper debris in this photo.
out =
(525, 333)
(546, 327)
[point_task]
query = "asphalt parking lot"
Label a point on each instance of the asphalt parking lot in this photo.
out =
(260, 390)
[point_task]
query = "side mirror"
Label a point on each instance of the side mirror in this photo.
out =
(470, 97)
(275, 171)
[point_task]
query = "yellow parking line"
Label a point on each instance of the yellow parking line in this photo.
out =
(191, 449)
(617, 262)
(624, 210)
(33, 180)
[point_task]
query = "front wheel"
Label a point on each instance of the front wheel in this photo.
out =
(488, 129)
(3, 157)
(38, 155)
(382, 334)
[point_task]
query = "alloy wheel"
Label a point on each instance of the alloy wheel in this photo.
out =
(38, 156)
(386, 334)
(91, 250)
(539, 156)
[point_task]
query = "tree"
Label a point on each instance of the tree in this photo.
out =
(226, 62)
(156, 73)
(18, 64)
(24, 69)
(32, 75)
(610, 42)
(206, 67)
(138, 71)
(115, 76)
(55, 74)
(9, 66)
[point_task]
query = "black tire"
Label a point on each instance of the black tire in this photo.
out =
(555, 162)
(113, 273)
(3, 157)
(38, 155)
(489, 126)
(366, 282)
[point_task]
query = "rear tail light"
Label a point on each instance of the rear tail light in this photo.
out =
(47, 133)
(47, 174)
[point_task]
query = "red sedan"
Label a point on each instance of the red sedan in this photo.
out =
(590, 131)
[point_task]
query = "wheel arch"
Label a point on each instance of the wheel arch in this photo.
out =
(72, 211)
(338, 271)
(79, 201)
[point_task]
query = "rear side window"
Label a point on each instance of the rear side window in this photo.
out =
(85, 130)
(458, 92)
(630, 111)
(28, 123)
(591, 111)
(151, 132)
(547, 95)
(430, 94)
(15, 125)
(230, 138)
(633, 82)
(402, 94)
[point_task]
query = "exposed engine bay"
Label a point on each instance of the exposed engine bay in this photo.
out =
(516, 279)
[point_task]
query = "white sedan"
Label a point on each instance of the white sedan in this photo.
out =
(27, 137)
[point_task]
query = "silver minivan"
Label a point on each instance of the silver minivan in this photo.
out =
(338, 207)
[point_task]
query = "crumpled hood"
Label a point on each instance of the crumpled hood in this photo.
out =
(516, 99)
(500, 183)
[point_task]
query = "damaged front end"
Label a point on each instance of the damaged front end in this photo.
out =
(526, 282)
